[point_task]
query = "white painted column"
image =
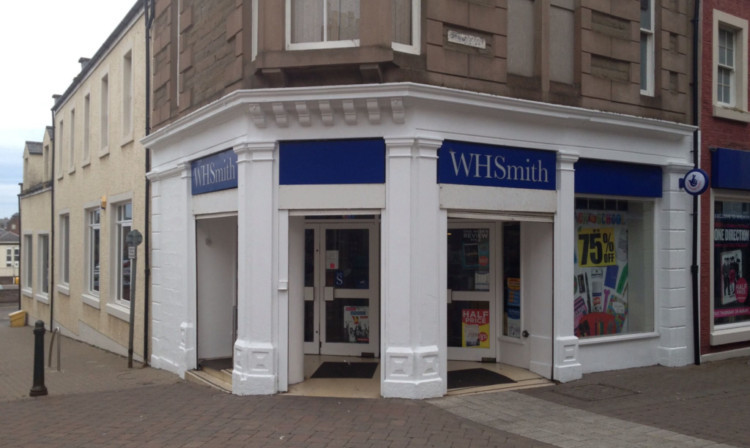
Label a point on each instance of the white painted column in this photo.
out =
(255, 364)
(173, 299)
(413, 299)
(296, 299)
(566, 365)
(673, 259)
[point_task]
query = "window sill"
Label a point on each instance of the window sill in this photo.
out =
(91, 301)
(85, 163)
(730, 335)
(594, 340)
(42, 298)
(323, 57)
(126, 140)
(731, 113)
(104, 152)
(63, 288)
(118, 311)
(28, 292)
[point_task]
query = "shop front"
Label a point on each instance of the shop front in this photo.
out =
(414, 226)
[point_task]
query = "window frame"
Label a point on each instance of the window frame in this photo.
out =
(325, 44)
(64, 285)
(737, 108)
(647, 35)
(104, 104)
(119, 221)
(127, 97)
(86, 146)
(416, 33)
(43, 263)
(93, 244)
(72, 143)
(27, 273)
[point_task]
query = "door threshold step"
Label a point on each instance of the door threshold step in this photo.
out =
(217, 379)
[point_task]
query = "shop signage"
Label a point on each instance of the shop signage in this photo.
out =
(695, 182)
(615, 178)
(215, 172)
(332, 162)
(496, 166)
(729, 168)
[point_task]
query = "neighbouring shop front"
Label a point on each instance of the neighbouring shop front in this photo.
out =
(423, 226)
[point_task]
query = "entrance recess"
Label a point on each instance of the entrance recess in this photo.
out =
(485, 316)
(342, 297)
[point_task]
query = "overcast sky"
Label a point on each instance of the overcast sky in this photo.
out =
(41, 42)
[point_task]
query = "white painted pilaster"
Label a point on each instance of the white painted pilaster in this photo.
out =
(413, 300)
(255, 364)
(567, 366)
(674, 307)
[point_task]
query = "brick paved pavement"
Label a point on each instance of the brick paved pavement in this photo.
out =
(96, 401)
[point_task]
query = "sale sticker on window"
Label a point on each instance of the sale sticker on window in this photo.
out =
(476, 328)
(596, 247)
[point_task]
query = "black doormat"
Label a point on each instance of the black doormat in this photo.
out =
(458, 379)
(217, 364)
(346, 370)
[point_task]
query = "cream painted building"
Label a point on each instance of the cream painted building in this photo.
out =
(36, 206)
(99, 196)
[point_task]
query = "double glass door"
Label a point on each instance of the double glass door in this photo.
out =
(341, 289)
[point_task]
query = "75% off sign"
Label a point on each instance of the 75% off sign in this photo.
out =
(596, 247)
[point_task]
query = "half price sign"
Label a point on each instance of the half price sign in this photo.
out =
(596, 247)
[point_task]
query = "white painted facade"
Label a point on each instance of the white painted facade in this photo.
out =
(414, 213)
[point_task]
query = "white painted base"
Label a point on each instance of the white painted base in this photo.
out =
(254, 372)
(412, 373)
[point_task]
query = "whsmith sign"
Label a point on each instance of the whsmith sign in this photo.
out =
(215, 172)
(496, 166)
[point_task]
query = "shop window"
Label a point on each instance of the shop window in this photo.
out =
(123, 225)
(730, 67)
(731, 238)
(614, 267)
(322, 24)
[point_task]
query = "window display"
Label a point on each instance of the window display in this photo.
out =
(613, 281)
(731, 252)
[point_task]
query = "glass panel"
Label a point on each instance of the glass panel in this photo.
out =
(95, 259)
(348, 320)
(307, 21)
(731, 253)
(469, 259)
(401, 11)
(309, 257)
(512, 279)
(644, 61)
(614, 259)
(309, 321)
(469, 324)
(343, 19)
(125, 265)
(646, 14)
(347, 258)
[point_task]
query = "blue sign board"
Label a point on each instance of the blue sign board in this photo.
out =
(496, 166)
(730, 168)
(614, 178)
(215, 172)
(332, 162)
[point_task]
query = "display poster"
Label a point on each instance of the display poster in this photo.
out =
(600, 303)
(512, 315)
(475, 326)
(731, 255)
(357, 323)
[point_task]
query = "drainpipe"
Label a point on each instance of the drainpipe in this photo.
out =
(20, 244)
(694, 270)
(52, 226)
(148, 7)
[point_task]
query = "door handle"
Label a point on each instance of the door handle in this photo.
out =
(525, 334)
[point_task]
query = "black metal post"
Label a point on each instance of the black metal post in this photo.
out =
(38, 388)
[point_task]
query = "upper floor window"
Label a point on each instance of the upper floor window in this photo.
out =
(127, 96)
(72, 133)
(104, 115)
(86, 129)
(730, 67)
(647, 47)
(322, 24)
(405, 15)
